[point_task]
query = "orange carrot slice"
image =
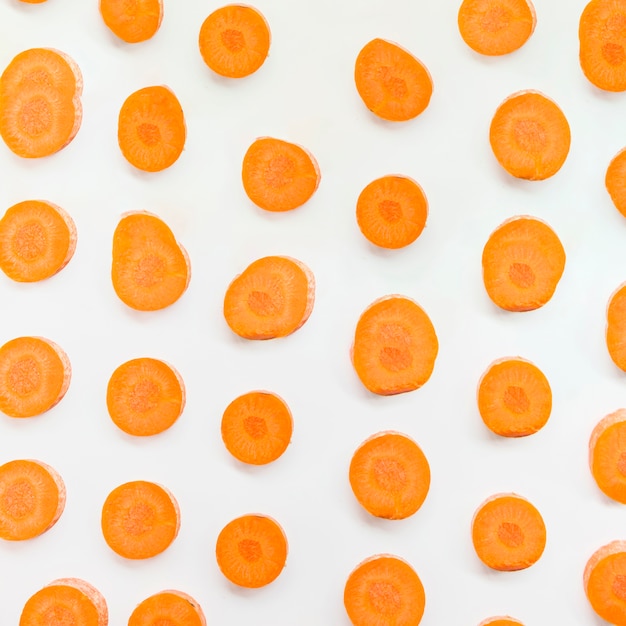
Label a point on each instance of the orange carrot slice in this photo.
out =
(615, 181)
(257, 427)
(616, 327)
(530, 136)
(392, 83)
(251, 550)
(604, 581)
(132, 22)
(272, 297)
(33, 1)
(140, 519)
(278, 175)
(395, 346)
(523, 261)
(384, 589)
(168, 608)
(501, 620)
(508, 532)
(234, 40)
(151, 129)
(391, 211)
(607, 455)
(40, 108)
(496, 27)
(150, 270)
(389, 475)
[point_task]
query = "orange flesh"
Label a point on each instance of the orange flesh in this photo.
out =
(615, 181)
(168, 608)
(616, 327)
(234, 40)
(604, 580)
(392, 83)
(607, 455)
(500, 621)
(132, 21)
(33, 1)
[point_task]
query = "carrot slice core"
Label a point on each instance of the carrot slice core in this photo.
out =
(168, 608)
(134, 21)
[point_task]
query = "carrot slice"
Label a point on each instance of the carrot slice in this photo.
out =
(615, 181)
(508, 532)
(392, 83)
(40, 107)
(132, 22)
(391, 211)
(530, 136)
(234, 40)
(389, 475)
(604, 580)
(251, 550)
(607, 455)
(616, 327)
(257, 427)
(384, 589)
(523, 261)
(278, 175)
(501, 620)
(140, 519)
(169, 608)
(151, 129)
(273, 297)
(514, 397)
(496, 27)
(395, 346)
(150, 270)
(33, 1)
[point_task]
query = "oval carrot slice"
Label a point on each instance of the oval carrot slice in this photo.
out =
(151, 129)
(508, 532)
(251, 550)
(615, 181)
(502, 620)
(390, 475)
(392, 83)
(33, 1)
(391, 211)
(530, 136)
(395, 346)
(234, 40)
(384, 589)
(607, 455)
(140, 519)
(604, 580)
(169, 608)
(615, 333)
(134, 21)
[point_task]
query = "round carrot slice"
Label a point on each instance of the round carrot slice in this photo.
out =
(607, 455)
(616, 327)
(134, 21)
(251, 550)
(235, 40)
(169, 608)
(508, 532)
(384, 589)
(392, 83)
(501, 620)
(390, 475)
(391, 211)
(604, 580)
(140, 519)
(33, 1)
(615, 181)
(530, 136)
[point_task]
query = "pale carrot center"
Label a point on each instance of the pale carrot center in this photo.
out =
(35, 116)
(150, 270)
(394, 86)
(250, 550)
(389, 474)
(390, 210)
(24, 376)
(29, 241)
(530, 135)
(139, 519)
(233, 40)
(255, 426)
(516, 400)
(619, 586)
(279, 172)
(144, 396)
(149, 134)
(59, 615)
(495, 18)
(263, 304)
(18, 499)
(510, 534)
(613, 53)
(384, 598)
(522, 275)
(621, 464)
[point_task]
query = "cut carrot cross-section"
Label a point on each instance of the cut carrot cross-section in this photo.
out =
(33, 1)
(616, 327)
(604, 580)
(615, 181)
(607, 455)
(501, 620)
(169, 608)
(134, 21)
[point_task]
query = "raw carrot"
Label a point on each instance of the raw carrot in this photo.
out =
(134, 21)
(145, 396)
(234, 40)
(604, 580)
(523, 261)
(390, 475)
(150, 270)
(615, 333)
(607, 455)
(508, 532)
(384, 589)
(257, 427)
(40, 107)
(514, 397)
(168, 608)
(251, 550)
(273, 297)
(392, 83)
(34, 375)
(615, 181)
(33, 1)
(391, 211)
(151, 129)
(395, 346)
(501, 620)
(140, 519)
(530, 136)
(278, 175)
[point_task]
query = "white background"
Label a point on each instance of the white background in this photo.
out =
(305, 93)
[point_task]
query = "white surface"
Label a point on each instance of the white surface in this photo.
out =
(305, 93)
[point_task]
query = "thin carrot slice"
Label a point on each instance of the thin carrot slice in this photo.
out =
(514, 397)
(395, 346)
(389, 475)
(150, 270)
(391, 211)
(34, 374)
(523, 261)
(168, 608)
(607, 455)
(234, 40)
(384, 589)
(151, 129)
(508, 532)
(278, 175)
(140, 519)
(40, 107)
(132, 22)
(273, 297)
(392, 83)
(530, 136)
(251, 550)
(501, 620)
(33, 1)
(604, 580)
(257, 427)
(616, 327)
(615, 181)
